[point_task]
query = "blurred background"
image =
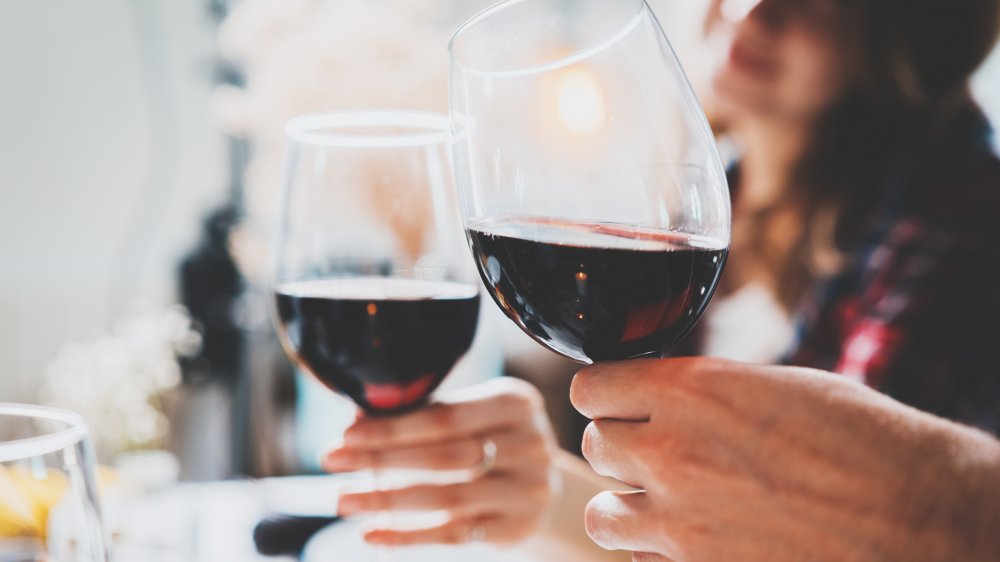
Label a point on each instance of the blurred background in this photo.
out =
(140, 151)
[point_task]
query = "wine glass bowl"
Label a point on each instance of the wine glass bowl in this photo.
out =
(49, 507)
(592, 193)
(372, 296)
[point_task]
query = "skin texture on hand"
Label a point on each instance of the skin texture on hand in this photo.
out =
(502, 506)
(772, 464)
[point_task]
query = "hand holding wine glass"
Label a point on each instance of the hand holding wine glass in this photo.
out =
(498, 429)
(762, 463)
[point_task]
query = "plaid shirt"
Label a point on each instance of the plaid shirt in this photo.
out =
(916, 314)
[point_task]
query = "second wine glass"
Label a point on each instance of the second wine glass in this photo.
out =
(371, 295)
(593, 195)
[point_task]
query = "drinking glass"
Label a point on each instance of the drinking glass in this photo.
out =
(374, 295)
(49, 508)
(592, 192)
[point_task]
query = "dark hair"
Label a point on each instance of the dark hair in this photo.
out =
(914, 59)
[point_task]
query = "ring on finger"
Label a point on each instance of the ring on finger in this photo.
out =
(489, 456)
(477, 532)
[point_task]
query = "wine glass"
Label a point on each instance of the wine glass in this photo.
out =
(373, 294)
(592, 192)
(49, 508)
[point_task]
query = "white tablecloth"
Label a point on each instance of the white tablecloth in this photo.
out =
(213, 522)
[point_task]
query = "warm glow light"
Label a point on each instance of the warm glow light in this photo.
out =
(580, 100)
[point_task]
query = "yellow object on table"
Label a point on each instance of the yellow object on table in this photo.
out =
(26, 499)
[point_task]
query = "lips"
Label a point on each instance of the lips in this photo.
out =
(751, 60)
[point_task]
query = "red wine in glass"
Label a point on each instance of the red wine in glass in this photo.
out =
(387, 343)
(597, 292)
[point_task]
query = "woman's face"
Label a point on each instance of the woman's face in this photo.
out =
(777, 59)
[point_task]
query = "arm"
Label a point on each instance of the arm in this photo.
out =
(754, 463)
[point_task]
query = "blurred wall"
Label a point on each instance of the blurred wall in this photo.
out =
(108, 159)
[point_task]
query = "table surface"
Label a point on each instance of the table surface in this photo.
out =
(202, 522)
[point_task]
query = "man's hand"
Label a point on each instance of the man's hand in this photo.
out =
(769, 464)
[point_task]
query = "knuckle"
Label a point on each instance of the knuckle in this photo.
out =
(381, 431)
(514, 404)
(374, 458)
(513, 385)
(526, 407)
(528, 393)
(704, 372)
(455, 496)
(443, 416)
(462, 455)
(649, 451)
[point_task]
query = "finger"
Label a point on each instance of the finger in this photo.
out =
(494, 529)
(616, 448)
(623, 521)
(615, 389)
(516, 451)
(479, 496)
(472, 415)
(465, 453)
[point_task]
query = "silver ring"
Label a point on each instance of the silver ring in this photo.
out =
(477, 533)
(489, 456)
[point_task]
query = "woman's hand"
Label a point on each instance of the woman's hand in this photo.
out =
(770, 464)
(503, 504)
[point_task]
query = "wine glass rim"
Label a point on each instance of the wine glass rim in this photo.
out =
(562, 62)
(426, 128)
(47, 443)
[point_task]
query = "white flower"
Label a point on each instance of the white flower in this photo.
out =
(115, 381)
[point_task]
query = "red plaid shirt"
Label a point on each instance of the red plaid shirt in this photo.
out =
(916, 314)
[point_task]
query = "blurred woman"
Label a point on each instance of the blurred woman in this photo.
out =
(867, 196)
